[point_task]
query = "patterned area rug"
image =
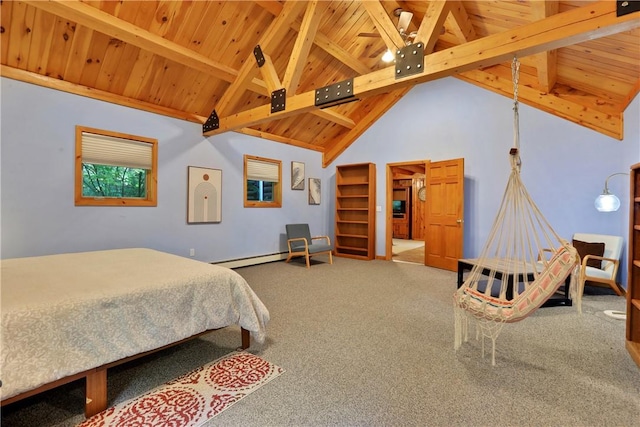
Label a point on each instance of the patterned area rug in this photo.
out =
(193, 398)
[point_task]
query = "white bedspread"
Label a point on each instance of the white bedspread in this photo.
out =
(64, 314)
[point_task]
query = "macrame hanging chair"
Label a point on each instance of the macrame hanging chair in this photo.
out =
(522, 246)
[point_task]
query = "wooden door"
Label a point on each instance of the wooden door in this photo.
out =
(444, 214)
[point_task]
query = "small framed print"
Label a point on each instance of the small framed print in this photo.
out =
(314, 191)
(297, 176)
(204, 195)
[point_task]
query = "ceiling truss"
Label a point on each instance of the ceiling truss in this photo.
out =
(478, 60)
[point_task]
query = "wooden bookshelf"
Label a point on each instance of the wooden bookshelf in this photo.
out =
(356, 211)
(402, 221)
(633, 287)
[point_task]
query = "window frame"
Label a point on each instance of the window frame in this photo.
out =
(151, 175)
(277, 191)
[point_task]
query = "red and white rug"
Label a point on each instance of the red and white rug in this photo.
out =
(193, 398)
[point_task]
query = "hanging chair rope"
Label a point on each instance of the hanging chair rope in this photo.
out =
(522, 246)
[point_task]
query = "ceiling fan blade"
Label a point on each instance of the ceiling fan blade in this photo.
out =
(369, 35)
(404, 21)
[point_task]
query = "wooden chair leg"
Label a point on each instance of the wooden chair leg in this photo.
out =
(330, 258)
(617, 289)
(307, 257)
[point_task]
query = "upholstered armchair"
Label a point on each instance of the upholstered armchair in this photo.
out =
(300, 243)
(600, 257)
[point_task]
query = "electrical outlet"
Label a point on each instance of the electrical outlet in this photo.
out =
(192, 252)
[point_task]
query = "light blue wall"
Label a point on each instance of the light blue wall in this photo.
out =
(564, 168)
(38, 215)
(564, 164)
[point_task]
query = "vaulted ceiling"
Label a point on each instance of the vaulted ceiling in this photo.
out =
(224, 64)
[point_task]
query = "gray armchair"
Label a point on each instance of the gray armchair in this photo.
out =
(300, 243)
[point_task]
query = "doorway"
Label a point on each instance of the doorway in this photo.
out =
(405, 216)
(434, 194)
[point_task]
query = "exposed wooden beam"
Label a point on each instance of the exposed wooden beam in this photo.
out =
(271, 37)
(269, 74)
(302, 45)
(384, 25)
(274, 7)
(335, 117)
(607, 123)
(585, 23)
(278, 138)
(431, 23)
(322, 41)
(546, 62)
(592, 102)
(459, 22)
(91, 17)
(340, 54)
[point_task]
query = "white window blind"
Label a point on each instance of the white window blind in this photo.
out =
(258, 170)
(114, 151)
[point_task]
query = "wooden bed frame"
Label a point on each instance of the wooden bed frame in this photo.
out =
(96, 378)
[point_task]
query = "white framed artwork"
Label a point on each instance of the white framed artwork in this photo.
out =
(204, 204)
(297, 176)
(314, 191)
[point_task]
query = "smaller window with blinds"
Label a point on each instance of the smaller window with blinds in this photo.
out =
(262, 182)
(115, 169)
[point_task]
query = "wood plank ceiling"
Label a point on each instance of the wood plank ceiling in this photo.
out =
(188, 59)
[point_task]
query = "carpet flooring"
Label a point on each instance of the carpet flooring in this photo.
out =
(370, 343)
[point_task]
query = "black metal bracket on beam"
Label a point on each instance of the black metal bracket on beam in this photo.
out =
(278, 100)
(257, 52)
(626, 7)
(335, 94)
(212, 123)
(410, 60)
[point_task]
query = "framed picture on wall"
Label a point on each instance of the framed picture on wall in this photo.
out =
(204, 195)
(297, 176)
(314, 191)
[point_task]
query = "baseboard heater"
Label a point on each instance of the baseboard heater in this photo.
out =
(255, 260)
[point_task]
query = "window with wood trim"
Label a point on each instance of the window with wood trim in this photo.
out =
(262, 182)
(115, 169)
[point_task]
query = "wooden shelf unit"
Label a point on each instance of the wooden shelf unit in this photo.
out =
(401, 221)
(633, 286)
(356, 211)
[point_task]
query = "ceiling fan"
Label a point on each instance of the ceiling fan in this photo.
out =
(404, 20)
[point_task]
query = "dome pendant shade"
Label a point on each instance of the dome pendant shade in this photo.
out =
(607, 202)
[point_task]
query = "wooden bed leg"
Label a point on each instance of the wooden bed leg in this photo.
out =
(246, 339)
(96, 392)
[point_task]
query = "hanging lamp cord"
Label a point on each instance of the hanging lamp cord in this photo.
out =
(515, 151)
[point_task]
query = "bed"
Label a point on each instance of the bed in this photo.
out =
(73, 316)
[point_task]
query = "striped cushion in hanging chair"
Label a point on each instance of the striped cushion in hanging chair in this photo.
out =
(481, 305)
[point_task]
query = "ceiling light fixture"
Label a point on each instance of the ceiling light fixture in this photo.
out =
(607, 202)
(388, 56)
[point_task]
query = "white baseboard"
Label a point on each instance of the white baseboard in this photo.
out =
(245, 262)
